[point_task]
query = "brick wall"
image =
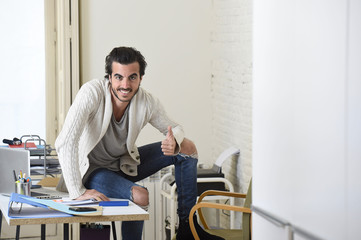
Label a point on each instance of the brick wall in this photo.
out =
(231, 88)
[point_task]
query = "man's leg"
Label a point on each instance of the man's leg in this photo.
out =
(115, 185)
(186, 179)
(153, 160)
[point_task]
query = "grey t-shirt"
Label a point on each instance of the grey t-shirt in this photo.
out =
(112, 148)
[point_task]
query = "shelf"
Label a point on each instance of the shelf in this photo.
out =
(43, 160)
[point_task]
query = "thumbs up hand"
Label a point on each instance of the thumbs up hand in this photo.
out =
(169, 144)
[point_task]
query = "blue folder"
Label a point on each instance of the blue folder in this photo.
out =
(114, 203)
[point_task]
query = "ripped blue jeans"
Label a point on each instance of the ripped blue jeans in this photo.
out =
(119, 185)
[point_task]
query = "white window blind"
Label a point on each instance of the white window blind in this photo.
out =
(22, 75)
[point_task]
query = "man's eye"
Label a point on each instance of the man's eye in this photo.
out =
(117, 77)
(133, 77)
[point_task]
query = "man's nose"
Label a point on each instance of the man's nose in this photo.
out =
(125, 83)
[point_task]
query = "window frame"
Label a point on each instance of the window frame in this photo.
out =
(62, 62)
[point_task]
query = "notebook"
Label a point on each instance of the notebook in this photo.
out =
(14, 159)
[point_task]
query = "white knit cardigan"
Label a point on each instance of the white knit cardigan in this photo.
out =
(87, 121)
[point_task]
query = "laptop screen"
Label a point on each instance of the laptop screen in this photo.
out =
(10, 160)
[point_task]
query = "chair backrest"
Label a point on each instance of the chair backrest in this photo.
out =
(246, 218)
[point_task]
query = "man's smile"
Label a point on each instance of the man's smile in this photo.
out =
(125, 90)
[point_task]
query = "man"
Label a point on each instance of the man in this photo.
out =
(97, 151)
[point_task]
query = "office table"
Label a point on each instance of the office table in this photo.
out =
(121, 213)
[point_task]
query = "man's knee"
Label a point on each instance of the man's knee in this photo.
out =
(140, 196)
(188, 147)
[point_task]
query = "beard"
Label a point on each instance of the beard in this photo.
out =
(126, 89)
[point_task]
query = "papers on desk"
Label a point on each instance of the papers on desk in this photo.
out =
(16, 209)
(70, 202)
(35, 212)
(112, 203)
(19, 206)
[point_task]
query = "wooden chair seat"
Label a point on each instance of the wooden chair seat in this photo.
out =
(228, 234)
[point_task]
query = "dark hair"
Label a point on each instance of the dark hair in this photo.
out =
(124, 55)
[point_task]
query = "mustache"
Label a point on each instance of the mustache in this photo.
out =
(124, 89)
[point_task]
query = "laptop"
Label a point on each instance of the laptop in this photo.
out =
(18, 160)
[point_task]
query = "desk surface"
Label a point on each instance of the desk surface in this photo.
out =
(122, 213)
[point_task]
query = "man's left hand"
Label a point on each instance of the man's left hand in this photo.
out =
(169, 144)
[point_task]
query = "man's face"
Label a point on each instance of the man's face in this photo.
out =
(125, 81)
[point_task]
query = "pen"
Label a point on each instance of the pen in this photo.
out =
(21, 174)
(15, 175)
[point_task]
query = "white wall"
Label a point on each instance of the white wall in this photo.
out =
(306, 116)
(353, 118)
(174, 38)
(231, 88)
(200, 66)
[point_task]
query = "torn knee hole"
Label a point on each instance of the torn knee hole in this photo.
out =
(140, 196)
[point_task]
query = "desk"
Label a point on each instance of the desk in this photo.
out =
(124, 213)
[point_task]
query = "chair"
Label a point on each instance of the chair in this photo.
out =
(205, 178)
(228, 234)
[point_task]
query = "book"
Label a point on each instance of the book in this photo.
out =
(29, 145)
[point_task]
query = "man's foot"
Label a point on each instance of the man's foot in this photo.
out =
(185, 233)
